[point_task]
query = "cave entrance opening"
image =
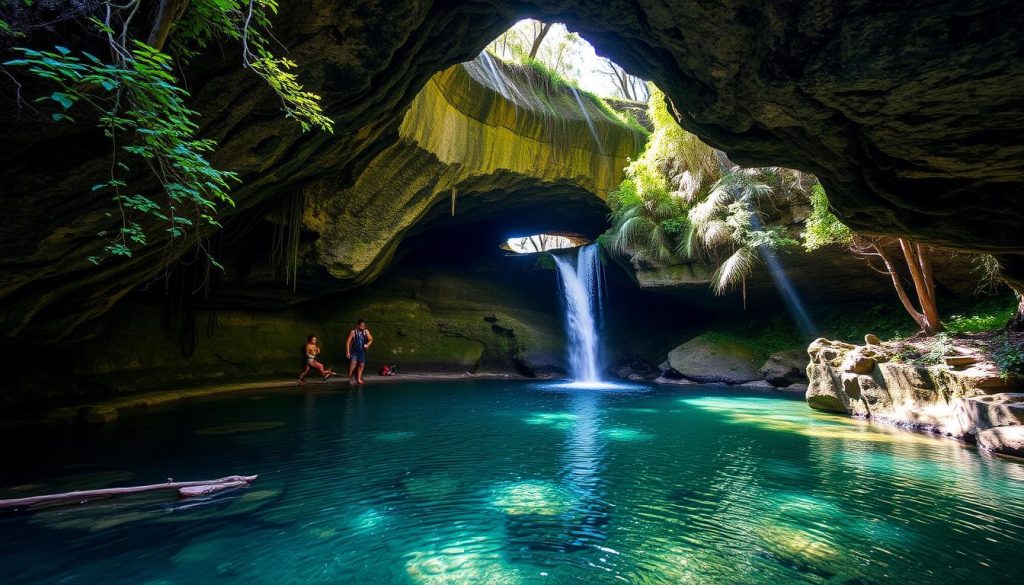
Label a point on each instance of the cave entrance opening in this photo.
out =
(543, 243)
(566, 58)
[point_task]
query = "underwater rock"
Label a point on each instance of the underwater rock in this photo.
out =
(535, 497)
(237, 428)
(460, 564)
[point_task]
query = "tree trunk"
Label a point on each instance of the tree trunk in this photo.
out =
(624, 83)
(186, 489)
(167, 14)
(1017, 320)
(537, 40)
(927, 318)
(919, 265)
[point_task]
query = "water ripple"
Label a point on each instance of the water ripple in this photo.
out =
(513, 483)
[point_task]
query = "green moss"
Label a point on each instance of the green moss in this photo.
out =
(850, 323)
(560, 84)
(984, 315)
(545, 262)
(822, 227)
(758, 339)
(1009, 356)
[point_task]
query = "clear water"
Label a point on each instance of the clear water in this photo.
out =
(501, 482)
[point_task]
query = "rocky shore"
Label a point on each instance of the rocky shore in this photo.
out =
(962, 395)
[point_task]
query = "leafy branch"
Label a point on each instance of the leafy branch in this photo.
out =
(139, 105)
(142, 111)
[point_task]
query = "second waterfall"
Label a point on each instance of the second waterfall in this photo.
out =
(581, 281)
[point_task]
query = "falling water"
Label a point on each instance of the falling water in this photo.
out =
(581, 285)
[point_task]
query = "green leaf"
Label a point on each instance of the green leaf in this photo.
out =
(64, 99)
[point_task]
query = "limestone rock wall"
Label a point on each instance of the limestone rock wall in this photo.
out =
(438, 322)
(482, 139)
(963, 401)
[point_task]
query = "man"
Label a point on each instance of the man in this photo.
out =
(359, 340)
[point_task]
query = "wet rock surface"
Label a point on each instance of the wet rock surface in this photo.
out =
(964, 401)
(786, 368)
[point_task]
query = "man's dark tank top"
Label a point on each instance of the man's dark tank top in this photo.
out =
(359, 343)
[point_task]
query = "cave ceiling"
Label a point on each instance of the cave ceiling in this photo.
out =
(909, 112)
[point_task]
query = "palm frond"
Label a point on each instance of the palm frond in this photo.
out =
(734, 270)
(715, 233)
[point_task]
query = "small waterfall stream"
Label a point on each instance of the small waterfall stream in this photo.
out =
(582, 295)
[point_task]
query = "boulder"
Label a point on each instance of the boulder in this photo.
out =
(708, 358)
(1005, 440)
(858, 361)
(977, 413)
(824, 392)
(786, 368)
(955, 401)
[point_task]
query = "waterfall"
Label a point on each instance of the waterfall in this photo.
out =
(582, 295)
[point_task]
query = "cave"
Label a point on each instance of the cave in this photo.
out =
(754, 318)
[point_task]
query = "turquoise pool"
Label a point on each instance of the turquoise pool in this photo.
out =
(513, 482)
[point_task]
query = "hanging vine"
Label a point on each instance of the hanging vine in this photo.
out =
(284, 256)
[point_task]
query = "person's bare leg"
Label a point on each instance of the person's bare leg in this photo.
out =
(351, 369)
(359, 380)
(302, 376)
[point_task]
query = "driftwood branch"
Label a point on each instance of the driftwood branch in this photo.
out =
(185, 489)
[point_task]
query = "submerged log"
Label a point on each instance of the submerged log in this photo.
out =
(185, 489)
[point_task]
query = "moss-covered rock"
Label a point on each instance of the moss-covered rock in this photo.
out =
(712, 358)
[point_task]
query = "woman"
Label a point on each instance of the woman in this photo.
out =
(312, 351)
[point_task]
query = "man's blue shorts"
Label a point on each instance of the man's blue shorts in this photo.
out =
(359, 357)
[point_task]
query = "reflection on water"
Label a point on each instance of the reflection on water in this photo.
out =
(516, 483)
